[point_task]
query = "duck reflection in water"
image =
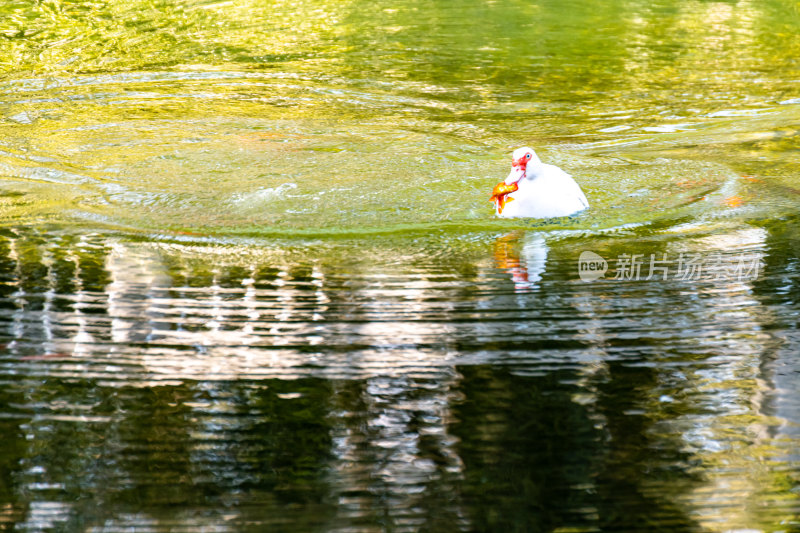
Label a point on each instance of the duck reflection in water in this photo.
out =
(524, 256)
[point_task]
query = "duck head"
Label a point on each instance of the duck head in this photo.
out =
(520, 159)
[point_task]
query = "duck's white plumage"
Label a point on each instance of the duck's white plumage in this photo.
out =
(544, 191)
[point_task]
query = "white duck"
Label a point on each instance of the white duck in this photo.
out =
(534, 189)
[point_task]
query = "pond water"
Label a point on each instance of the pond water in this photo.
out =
(250, 279)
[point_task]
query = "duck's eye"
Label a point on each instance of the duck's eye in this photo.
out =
(527, 156)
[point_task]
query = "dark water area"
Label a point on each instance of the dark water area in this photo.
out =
(250, 279)
(165, 386)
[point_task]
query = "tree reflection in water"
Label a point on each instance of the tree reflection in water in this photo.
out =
(178, 386)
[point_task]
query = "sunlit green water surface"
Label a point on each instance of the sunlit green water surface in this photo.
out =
(250, 279)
